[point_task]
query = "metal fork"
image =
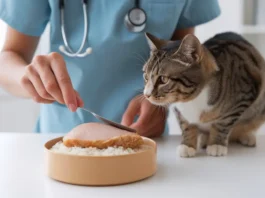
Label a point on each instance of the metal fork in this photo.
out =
(109, 122)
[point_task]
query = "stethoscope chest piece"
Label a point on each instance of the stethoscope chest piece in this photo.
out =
(135, 19)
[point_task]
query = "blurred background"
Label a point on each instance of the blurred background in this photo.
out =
(246, 17)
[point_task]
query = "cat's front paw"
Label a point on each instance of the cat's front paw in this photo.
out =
(216, 150)
(185, 151)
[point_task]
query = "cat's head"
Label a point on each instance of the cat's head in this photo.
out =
(176, 70)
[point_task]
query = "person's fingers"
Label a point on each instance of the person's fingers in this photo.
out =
(144, 117)
(149, 130)
(80, 102)
(59, 69)
(47, 77)
(28, 86)
(34, 77)
(151, 121)
(140, 128)
(131, 111)
(137, 128)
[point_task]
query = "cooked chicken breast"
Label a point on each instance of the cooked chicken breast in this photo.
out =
(101, 136)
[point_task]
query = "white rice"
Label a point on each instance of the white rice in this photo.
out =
(59, 147)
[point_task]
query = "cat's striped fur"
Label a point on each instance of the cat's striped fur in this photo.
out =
(233, 72)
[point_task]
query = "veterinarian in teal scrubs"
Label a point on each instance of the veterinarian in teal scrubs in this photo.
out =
(109, 78)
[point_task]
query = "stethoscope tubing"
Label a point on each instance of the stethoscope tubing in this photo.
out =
(67, 49)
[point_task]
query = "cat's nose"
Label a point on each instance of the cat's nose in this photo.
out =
(148, 92)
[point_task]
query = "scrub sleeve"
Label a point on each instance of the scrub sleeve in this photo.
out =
(198, 12)
(27, 16)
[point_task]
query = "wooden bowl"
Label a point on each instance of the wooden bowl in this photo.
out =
(100, 170)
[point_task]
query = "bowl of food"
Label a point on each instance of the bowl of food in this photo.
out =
(99, 155)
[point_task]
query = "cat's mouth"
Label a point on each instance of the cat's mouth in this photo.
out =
(163, 100)
(158, 101)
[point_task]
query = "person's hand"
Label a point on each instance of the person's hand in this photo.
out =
(46, 80)
(151, 121)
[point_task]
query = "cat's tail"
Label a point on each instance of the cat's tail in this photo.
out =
(183, 123)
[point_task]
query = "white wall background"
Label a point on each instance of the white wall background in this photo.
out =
(26, 111)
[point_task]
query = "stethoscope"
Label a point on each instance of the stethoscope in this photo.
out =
(135, 21)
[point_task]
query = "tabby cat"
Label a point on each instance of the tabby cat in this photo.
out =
(217, 89)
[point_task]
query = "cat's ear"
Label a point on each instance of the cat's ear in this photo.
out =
(190, 49)
(154, 42)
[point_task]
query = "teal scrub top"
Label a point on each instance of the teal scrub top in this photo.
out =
(111, 76)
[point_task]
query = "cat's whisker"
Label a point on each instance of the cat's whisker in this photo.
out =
(139, 90)
(140, 65)
(145, 53)
(141, 98)
(140, 58)
(141, 62)
(143, 58)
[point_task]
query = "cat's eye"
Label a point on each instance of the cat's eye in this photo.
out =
(145, 77)
(164, 79)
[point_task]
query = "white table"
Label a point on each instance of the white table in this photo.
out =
(240, 174)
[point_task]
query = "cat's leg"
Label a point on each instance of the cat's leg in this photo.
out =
(188, 146)
(245, 133)
(203, 140)
(219, 135)
(248, 139)
(218, 141)
(189, 134)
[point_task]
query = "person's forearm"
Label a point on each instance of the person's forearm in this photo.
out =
(12, 67)
(181, 33)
